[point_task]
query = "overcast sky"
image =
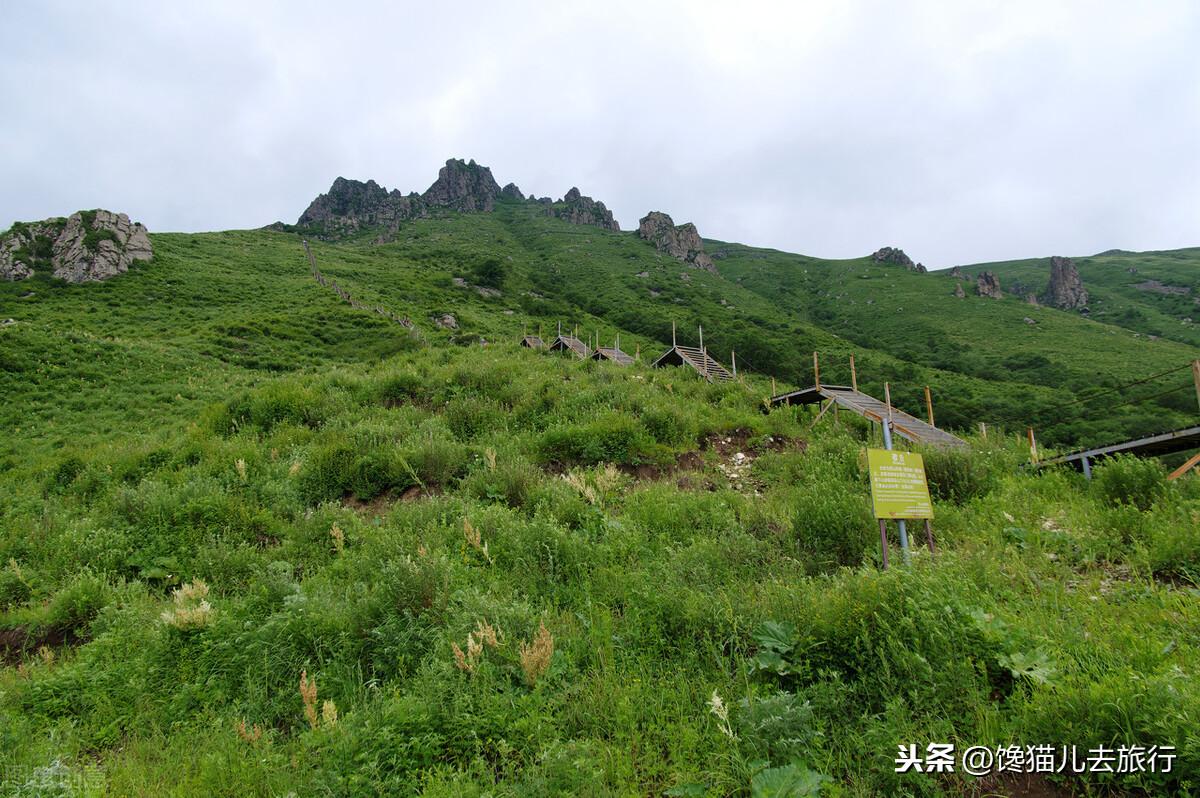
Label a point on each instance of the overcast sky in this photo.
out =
(962, 132)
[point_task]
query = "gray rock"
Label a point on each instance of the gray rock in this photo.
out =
(352, 205)
(511, 192)
(87, 246)
(463, 186)
(898, 257)
(682, 242)
(988, 284)
(1029, 320)
(580, 209)
(958, 291)
(1065, 290)
(446, 322)
(1032, 300)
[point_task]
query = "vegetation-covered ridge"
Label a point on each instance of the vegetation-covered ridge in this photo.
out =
(470, 571)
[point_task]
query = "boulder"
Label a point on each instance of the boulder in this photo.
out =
(578, 208)
(988, 284)
(957, 272)
(1065, 290)
(682, 241)
(1032, 300)
(87, 246)
(446, 321)
(958, 291)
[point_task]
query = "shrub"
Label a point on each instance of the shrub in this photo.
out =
(378, 471)
(669, 426)
(327, 472)
(438, 461)
(509, 482)
(832, 524)
(400, 388)
(64, 474)
(490, 272)
(612, 438)
(957, 476)
(1130, 480)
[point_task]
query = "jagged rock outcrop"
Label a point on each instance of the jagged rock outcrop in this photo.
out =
(578, 208)
(1065, 290)
(463, 186)
(87, 246)
(988, 284)
(352, 205)
(957, 272)
(958, 291)
(897, 256)
(511, 192)
(682, 241)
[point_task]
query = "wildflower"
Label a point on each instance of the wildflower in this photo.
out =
(308, 694)
(241, 468)
(487, 634)
(249, 735)
(721, 712)
(475, 539)
(489, 456)
(329, 715)
(536, 655)
(295, 469)
(189, 607)
(461, 661)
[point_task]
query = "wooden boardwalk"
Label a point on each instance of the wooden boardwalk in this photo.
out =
(906, 426)
(1179, 440)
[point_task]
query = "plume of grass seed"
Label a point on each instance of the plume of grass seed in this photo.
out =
(189, 607)
(251, 734)
(329, 713)
(475, 539)
(339, 538)
(536, 655)
(240, 464)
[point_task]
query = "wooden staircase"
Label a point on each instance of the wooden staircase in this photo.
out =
(700, 360)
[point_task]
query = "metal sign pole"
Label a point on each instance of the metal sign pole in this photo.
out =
(887, 444)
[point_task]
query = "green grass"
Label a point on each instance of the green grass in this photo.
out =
(215, 416)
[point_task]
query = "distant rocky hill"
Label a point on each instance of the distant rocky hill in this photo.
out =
(352, 206)
(682, 241)
(87, 246)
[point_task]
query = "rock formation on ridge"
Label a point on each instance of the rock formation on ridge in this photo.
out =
(897, 256)
(682, 242)
(463, 186)
(580, 209)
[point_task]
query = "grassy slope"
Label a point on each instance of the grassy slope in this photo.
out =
(1030, 370)
(1053, 615)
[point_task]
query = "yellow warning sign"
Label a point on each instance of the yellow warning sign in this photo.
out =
(898, 485)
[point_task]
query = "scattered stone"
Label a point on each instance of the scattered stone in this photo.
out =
(1029, 320)
(643, 275)
(446, 322)
(1156, 287)
(957, 273)
(897, 256)
(1032, 300)
(459, 282)
(988, 284)
(8, 322)
(1065, 290)
(682, 242)
(87, 246)
(958, 291)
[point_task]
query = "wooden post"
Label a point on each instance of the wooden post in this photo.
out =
(929, 536)
(1033, 455)
(560, 329)
(772, 386)
(701, 338)
(733, 360)
(637, 353)
(883, 545)
(983, 430)
(929, 406)
(887, 399)
(853, 373)
(672, 332)
(816, 370)
(1196, 378)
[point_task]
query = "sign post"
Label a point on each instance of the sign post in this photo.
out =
(899, 491)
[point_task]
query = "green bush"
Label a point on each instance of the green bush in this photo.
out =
(670, 427)
(957, 476)
(832, 525)
(379, 471)
(400, 388)
(64, 474)
(327, 472)
(1135, 481)
(438, 461)
(612, 438)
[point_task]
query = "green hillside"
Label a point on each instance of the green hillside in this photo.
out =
(257, 541)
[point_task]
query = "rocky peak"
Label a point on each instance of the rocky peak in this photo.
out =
(1065, 289)
(682, 241)
(897, 256)
(352, 205)
(988, 284)
(463, 186)
(511, 192)
(578, 208)
(87, 246)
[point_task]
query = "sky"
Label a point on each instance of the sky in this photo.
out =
(961, 132)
